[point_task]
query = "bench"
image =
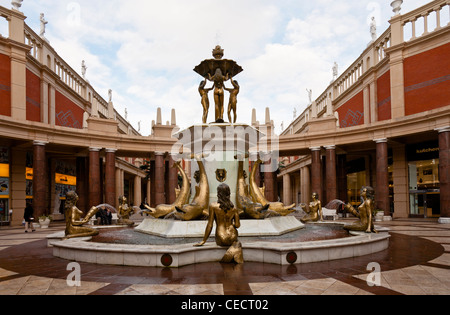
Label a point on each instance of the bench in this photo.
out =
(329, 213)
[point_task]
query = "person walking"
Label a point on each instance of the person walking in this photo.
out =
(29, 218)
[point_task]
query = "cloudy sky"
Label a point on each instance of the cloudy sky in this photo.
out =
(146, 50)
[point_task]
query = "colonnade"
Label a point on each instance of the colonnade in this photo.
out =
(330, 182)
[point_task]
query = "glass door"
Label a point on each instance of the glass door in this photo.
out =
(424, 197)
(418, 203)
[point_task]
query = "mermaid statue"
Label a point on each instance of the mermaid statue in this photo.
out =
(74, 220)
(182, 198)
(258, 197)
(227, 220)
(364, 212)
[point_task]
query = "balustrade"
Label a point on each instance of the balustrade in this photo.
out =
(425, 20)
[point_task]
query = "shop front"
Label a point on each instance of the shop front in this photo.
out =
(424, 185)
(4, 186)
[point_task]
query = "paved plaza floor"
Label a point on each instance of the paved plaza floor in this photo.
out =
(416, 263)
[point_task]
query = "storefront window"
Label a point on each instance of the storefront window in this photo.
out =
(4, 186)
(424, 198)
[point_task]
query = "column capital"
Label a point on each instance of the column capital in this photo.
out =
(330, 147)
(110, 150)
(383, 140)
(443, 129)
(160, 153)
(94, 149)
(315, 148)
(40, 143)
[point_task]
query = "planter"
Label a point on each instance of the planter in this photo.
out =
(397, 6)
(379, 216)
(44, 223)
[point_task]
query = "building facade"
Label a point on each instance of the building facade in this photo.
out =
(58, 134)
(384, 122)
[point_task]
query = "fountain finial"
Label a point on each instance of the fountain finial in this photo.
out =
(218, 52)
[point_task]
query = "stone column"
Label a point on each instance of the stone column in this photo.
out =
(17, 185)
(287, 191)
(118, 187)
(444, 173)
(160, 197)
(18, 67)
(95, 197)
(270, 181)
(152, 200)
(148, 193)
(331, 184)
(83, 183)
(39, 178)
(341, 178)
(396, 66)
(316, 178)
(305, 185)
(382, 187)
(110, 177)
(137, 200)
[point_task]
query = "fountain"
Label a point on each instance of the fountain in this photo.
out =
(220, 153)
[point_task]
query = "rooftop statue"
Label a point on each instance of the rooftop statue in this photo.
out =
(43, 24)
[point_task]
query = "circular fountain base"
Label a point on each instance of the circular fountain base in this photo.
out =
(196, 229)
(282, 251)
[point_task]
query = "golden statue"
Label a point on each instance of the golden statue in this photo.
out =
(219, 70)
(200, 203)
(364, 213)
(182, 197)
(258, 197)
(232, 105)
(244, 202)
(219, 93)
(124, 212)
(314, 211)
(74, 221)
(205, 99)
(227, 221)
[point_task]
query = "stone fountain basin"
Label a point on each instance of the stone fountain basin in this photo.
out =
(82, 250)
(196, 229)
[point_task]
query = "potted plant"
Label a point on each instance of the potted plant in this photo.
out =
(44, 221)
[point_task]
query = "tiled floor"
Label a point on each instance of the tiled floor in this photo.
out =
(417, 262)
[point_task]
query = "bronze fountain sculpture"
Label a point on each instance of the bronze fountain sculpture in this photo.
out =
(182, 198)
(200, 204)
(74, 220)
(219, 71)
(227, 220)
(258, 197)
(314, 210)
